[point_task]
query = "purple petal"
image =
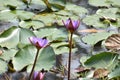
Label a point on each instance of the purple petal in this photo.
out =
(39, 42)
(76, 24)
(33, 40)
(43, 42)
(35, 74)
(66, 23)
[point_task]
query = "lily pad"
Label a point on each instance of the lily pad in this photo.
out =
(26, 56)
(92, 39)
(100, 3)
(8, 54)
(16, 3)
(55, 5)
(110, 12)
(94, 20)
(52, 33)
(76, 10)
(115, 73)
(11, 37)
(3, 66)
(34, 24)
(15, 15)
(45, 61)
(105, 60)
(47, 19)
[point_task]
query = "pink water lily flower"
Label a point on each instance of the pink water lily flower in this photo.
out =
(71, 25)
(39, 42)
(38, 75)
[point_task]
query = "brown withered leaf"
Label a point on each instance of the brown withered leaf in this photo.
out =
(99, 73)
(113, 42)
(90, 30)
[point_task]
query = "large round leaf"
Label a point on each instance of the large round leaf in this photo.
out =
(96, 37)
(102, 60)
(8, 54)
(52, 33)
(46, 59)
(94, 20)
(11, 37)
(114, 73)
(55, 5)
(3, 66)
(99, 3)
(109, 13)
(47, 19)
(29, 24)
(16, 14)
(24, 57)
(76, 10)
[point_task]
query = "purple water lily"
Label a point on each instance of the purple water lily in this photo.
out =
(39, 42)
(38, 75)
(71, 25)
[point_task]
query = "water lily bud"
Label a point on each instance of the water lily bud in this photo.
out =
(39, 42)
(39, 75)
(71, 25)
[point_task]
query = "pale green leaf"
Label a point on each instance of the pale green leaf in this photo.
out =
(96, 37)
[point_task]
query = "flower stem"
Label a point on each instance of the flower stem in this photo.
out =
(31, 73)
(70, 51)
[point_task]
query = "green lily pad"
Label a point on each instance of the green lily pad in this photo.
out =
(8, 54)
(94, 20)
(61, 48)
(92, 39)
(16, 3)
(107, 15)
(46, 60)
(7, 16)
(11, 37)
(104, 3)
(55, 5)
(114, 73)
(100, 3)
(3, 66)
(115, 3)
(52, 33)
(26, 56)
(47, 19)
(76, 10)
(33, 24)
(14, 15)
(110, 12)
(102, 60)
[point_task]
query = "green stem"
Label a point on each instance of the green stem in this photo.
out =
(31, 73)
(70, 51)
